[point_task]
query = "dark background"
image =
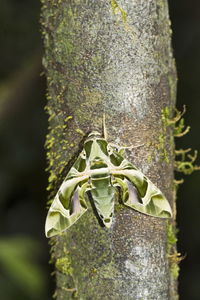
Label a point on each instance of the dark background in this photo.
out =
(24, 268)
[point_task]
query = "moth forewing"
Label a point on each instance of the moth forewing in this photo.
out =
(67, 206)
(59, 218)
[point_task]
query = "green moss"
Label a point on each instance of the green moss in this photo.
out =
(176, 121)
(164, 142)
(108, 270)
(175, 269)
(161, 146)
(177, 124)
(180, 129)
(53, 244)
(68, 118)
(118, 207)
(173, 256)
(55, 152)
(117, 10)
(185, 164)
(78, 130)
(60, 257)
(63, 265)
(171, 237)
(149, 157)
(92, 98)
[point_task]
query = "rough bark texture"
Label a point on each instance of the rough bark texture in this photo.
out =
(113, 57)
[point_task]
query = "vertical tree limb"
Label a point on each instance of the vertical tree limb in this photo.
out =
(111, 57)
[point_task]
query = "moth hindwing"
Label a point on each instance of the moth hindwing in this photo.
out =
(100, 169)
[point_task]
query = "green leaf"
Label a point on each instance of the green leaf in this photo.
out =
(17, 258)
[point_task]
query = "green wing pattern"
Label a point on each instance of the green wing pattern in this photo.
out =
(100, 169)
(68, 206)
(138, 192)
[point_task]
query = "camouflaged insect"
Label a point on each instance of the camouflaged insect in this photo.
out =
(100, 170)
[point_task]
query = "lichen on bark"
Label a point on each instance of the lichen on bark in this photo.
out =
(111, 57)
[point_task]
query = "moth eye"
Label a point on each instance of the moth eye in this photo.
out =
(83, 154)
(109, 151)
(111, 215)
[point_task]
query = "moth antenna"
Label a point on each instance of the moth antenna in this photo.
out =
(105, 134)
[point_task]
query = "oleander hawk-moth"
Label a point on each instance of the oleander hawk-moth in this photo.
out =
(102, 170)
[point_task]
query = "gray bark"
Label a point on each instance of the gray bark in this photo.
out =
(113, 57)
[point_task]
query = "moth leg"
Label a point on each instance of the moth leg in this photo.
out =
(105, 133)
(121, 149)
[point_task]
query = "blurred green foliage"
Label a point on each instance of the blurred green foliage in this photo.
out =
(19, 33)
(185, 17)
(19, 265)
(24, 268)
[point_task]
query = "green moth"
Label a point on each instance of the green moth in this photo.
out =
(101, 170)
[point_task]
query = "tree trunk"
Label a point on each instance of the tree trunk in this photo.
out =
(111, 57)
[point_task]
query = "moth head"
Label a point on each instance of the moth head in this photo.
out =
(94, 134)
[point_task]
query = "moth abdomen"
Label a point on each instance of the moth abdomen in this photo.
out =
(103, 194)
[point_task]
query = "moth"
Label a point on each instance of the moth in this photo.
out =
(102, 171)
